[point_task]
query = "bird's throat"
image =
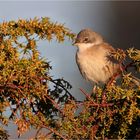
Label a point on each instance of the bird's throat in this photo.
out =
(83, 46)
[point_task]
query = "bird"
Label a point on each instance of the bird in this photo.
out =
(93, 57)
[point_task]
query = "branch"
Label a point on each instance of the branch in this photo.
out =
(55, 104)
(55, 132)
(56, 83)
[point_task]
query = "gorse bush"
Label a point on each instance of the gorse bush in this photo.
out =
(111, 111)
(24, 74)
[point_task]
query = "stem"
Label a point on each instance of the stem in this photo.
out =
(55, 104)
(55, 132)
(56, 83)
(89, 98)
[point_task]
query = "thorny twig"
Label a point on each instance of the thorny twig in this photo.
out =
(56, 83)
(55, 132)
(55, 105)
(103, 104)
(122, 68)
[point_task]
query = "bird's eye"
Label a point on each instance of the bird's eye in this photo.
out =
(85, 39)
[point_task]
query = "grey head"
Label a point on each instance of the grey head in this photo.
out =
(88, 36)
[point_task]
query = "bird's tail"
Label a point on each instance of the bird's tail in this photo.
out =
(135, 80)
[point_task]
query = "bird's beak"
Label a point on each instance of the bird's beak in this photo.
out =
(75, 44)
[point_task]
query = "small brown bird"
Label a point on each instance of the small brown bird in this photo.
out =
(93, 57)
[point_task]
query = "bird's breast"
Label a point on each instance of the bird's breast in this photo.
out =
(93, 66)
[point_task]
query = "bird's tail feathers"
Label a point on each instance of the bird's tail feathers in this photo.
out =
(135, 80)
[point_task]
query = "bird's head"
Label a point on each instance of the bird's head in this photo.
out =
(87, 38)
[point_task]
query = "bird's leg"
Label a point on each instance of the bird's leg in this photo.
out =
(104, 92)
(94, 88)
(104, 97)
(95, 92)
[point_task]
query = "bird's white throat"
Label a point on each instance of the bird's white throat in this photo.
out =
(83, 46)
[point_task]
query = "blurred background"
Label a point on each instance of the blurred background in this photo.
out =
(118, 22)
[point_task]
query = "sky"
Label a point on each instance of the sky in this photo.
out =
(118, 23)
(76, 16)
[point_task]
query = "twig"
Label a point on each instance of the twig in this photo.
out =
(55, 132)
(55, 104)
(62, 88)
(89, 98)
(114, 77)
(103, 104)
